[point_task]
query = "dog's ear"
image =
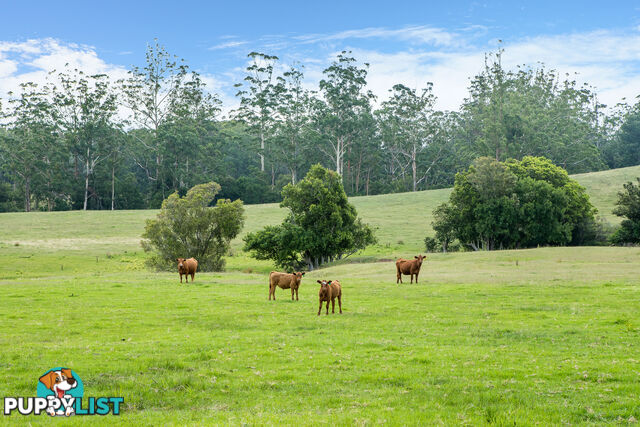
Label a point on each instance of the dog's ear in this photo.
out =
(48, 379)
(67, 373)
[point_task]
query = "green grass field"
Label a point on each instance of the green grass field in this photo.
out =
(541, 336)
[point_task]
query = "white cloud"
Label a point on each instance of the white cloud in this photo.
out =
(412, 34)
(7, 68)
(221, 87)
(227, 45)
(34, 59)
(607, 60)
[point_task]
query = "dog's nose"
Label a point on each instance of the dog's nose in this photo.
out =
(71, 381)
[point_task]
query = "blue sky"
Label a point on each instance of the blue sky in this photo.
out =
(408, 42)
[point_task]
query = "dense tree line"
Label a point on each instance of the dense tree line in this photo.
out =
(86, 142)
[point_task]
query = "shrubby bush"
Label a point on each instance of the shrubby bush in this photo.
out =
(515, 204)
(187, 227)
(433, 244)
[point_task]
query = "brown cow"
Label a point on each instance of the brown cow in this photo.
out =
(285, 281)
(409, 266)
(187, 267)
(329, 290)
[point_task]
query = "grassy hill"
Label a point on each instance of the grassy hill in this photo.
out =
(402, 219)
(603, 188)
(545, 336)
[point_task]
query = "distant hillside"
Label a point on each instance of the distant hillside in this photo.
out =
(603, 188)
(402, 219)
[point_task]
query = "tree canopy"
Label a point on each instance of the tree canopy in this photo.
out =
(628, 207)
(514, 204)
(321, 226)
(187, 227)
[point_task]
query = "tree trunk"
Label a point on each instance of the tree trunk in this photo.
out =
(273, 177)
(27, 195)
(358, 169)
(113, 188)
(339, 156)
(86, 183)
(158, 161)
(368, 173)
(414, 168)
(261, 151)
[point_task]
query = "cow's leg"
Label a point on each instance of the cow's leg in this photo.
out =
(186, 277)
(333, 305)
(180, 277)
(270, 290)
(327, 307)
(340, 303)
(320, 308)
(192, 276)
(417, 276)
(411, 277)
(297, 294)
(292, 293)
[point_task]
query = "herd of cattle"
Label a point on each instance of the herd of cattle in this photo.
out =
(329, 289)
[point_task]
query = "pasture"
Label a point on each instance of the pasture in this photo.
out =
(544, 336)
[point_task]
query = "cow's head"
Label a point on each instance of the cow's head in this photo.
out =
(180, 262)
(298, 276)
(324, 286)
(420, 258)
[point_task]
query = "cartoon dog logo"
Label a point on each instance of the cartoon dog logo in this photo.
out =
(59, 382)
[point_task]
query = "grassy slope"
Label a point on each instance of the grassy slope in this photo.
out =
(603, 188)
(403, 217)
(547, 335)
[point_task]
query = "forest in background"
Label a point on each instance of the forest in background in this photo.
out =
(88, 142)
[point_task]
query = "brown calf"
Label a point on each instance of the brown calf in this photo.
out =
(187, 267)
(329, 290)
(285, 281)
(409, 266)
